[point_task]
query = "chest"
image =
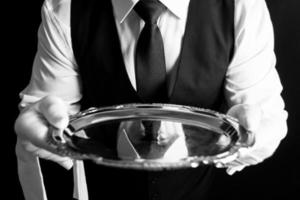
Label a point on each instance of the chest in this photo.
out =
(204, 50)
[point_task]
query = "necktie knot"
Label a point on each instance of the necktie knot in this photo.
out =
(149, 10)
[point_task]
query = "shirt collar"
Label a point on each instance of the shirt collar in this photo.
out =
(123, 7)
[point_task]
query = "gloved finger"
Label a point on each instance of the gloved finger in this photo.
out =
(242, 158)
(233, 170)
(236, 163)
(222, 163)
(65, 162)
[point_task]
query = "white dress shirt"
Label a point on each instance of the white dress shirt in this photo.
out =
(251, 77)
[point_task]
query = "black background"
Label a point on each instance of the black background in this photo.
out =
(277, 177)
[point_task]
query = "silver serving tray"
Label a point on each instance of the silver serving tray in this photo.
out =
(151, 136)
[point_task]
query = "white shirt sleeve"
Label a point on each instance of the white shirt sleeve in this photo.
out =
(252, 77)
(54, 69)
(54, 73)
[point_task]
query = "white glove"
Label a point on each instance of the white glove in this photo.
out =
(264, 130)
(32, 125)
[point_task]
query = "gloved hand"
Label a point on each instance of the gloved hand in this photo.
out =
(266, 142)
(32, 126)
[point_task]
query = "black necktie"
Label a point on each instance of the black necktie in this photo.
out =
(150, 60)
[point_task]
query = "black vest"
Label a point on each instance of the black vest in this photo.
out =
(206, 52)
